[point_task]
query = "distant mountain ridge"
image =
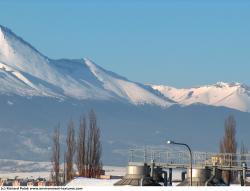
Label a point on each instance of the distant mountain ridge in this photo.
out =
(232, 95)
(25, 71)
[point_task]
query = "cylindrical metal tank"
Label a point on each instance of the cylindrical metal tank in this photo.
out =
(137, 170)
(138, 174)
(199, 177)
(199, 174)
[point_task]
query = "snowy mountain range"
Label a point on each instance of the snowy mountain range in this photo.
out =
(37, 93)
(231, 95)
(25, 71)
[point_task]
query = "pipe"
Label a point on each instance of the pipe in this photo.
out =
(165, 178)
(244, 168)
(170, 176)
(152, 168)
(141, 181)
(183, 176)
(209, 180)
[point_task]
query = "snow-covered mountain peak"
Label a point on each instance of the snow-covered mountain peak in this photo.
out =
(232, 95)
(133, 92)
(221, 84)
(93, 68)
(3, 30)
(27, 72)
(10, 36)
(20, 55)
(5, 50)
(226, 85)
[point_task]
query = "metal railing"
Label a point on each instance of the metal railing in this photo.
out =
(182, 158)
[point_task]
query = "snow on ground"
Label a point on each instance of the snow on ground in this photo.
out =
(115, 170)
(78, 182)
(24, 175)
(28, 169)
(31, 169)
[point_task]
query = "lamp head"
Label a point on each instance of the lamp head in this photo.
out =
(170, 142)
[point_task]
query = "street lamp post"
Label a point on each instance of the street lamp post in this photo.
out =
(191, 158)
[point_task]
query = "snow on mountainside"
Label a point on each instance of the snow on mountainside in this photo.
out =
(24, 71)
(231, 95)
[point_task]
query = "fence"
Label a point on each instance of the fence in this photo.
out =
(182, 158)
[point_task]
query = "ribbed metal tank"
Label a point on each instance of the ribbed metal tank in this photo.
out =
(204, 177)
(137, 170)
(199, 177)
(199, 174)
(138, 174)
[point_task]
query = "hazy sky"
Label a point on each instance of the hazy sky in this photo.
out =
(179, 43)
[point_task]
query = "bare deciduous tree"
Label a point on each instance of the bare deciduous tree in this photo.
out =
(229, 145)
(81, 148)
(69, 155)
(94, 150)
(56, 156)
(88, 149)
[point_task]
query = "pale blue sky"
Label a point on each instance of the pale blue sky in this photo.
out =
(179, 43)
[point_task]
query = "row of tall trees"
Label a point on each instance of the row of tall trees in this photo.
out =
(83, 151)
(89, 148)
